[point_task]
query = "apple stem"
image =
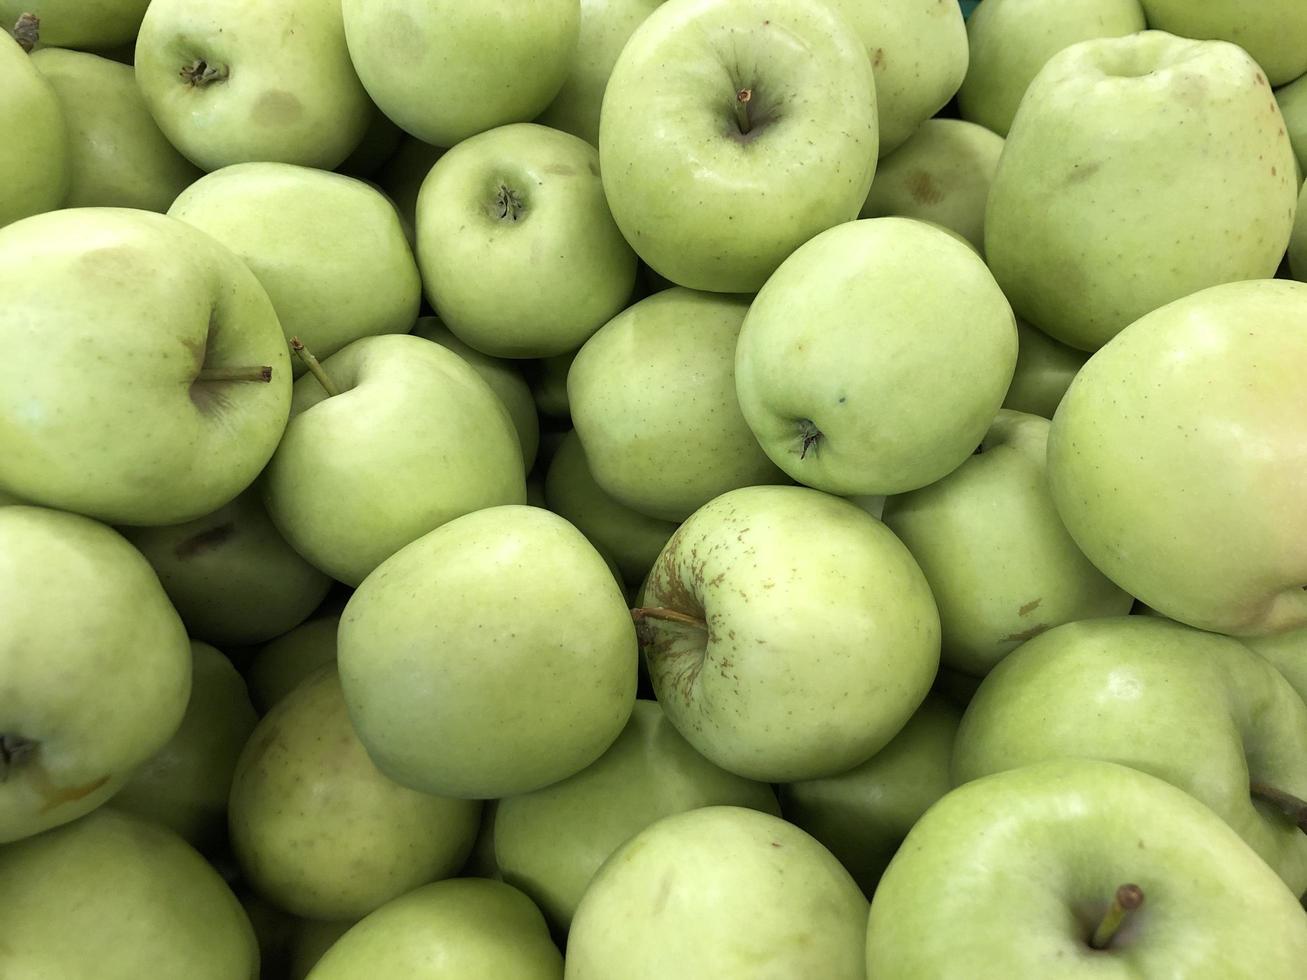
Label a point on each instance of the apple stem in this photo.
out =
(263, 373)
(1126, 899)
(742, 99)
(315, 366)
(27, 32)
(14, 751)
(200, 73)
(668, 616)
(1293, 807)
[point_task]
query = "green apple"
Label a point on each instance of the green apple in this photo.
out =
(517, 247)
(789, 634)
(329, 249)
(941, 174)
(606, 26)
(1288, 652)
(1011, 40)
(652, 396)
(318, 830)
(117, 898)
(35, 164)
(1272, 31)
(95, 668)
(445, 70)
(310, 941)
(1045, 369)
(1201, 711)
(548, 380)
(732, 133)
(1102, 207)
(863, 815)
(184, 785)
(93, 24)
(402, 176)
(116, 154)
(1016, 872)
(134, 385)
(571, 491)
(1176, 459)
(233, 578)
(464, 929)
(414, 438)
(281, 665)
(875, 358)
(1292, 100)
(720, 892)
(232, 82)
(551, 842)
(999, 562)
(492, 657)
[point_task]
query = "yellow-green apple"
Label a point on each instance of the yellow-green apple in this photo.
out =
(652, 396)
(1045, 368)
(35, 165)
(1102, 207)
(281, 665)
(518, 251)
(92, 24)
(1292, 100)
(875, 358)
(732, 133)
(1176, 459)
(491, 657)
(144, 379)
(1272, 31)
(95, 667)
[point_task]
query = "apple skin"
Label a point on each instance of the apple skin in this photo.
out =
(109, 316)
(1013, 872)
(1176, 459)
(445, 70)
(329, 249)
(822, 636)
(652, 396)
(551, 842)
(35, 165)
(518, 250)
(184, 785)
(281, 665)
(464, 929)
(1045, 369)
(1011, 40)
(664, 904)
(411, 414)
(704, 204)
(875, 358)
(1273, 31)
(281, 95)
(999, 562)
(233, 579)
(117, 898)
(1288, 653)
(95, 666)
(1292, 100)
(91, 24)
(1101, 209)
(491, 657)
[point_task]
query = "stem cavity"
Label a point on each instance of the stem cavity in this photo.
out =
(1127, 899)
(315, 367)
(667, 616)
(263, 374)
(742, 99)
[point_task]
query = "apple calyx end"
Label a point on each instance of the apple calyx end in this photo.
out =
(27, 31)
(15, 751)
(314, 366)
(507, 204)
(809, 438)
(200, 73)
(1128, 897)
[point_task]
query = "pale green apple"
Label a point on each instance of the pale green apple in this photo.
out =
(633, 539)
(863, 815)
(413, 439)
(95, 667)
(652, 396)
(318, 830)
(1045, 369)
(732, 133)
(518, 250)
(492, 657)
(1102, 208)
(719, 893)
(789, 634)
(231, 81)
(184, 785)
(551, 842)
(117, 898)
(464, 929)
(92, 24)
(1292, 100)
(117, 156)
(310, 941)
(231, 576)
(1201, 711)
(329, 249)
(1288, 652)
(1011, 40)
(548, 380)
(119, 329)
(402, 176)
(941, 174)
(1272, 31)
(875, 358)
(1176, 459)
(281, 665)
(1011, 876)
(606, 26)
(445, 70)
(35, 165)
(999, 562)
(503, 377)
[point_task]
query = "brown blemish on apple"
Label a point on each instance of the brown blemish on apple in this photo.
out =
(1030, 607)
(57, 796)
(277, 108)
(1025, 635)
(1082, 173)
(204, 541)
(924, 188)
(878, 58)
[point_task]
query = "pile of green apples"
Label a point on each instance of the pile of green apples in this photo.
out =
(637, 490)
